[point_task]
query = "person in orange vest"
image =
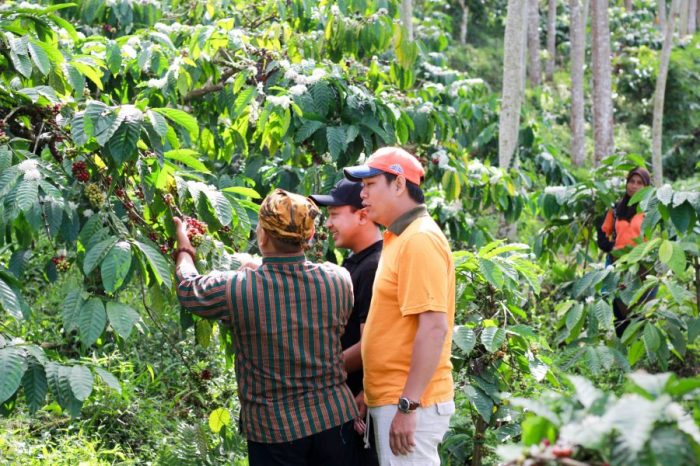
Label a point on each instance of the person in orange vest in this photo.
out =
(622, 227)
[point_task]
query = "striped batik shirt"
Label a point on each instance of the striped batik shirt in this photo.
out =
(286, 317)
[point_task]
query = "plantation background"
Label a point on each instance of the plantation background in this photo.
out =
(117, 114)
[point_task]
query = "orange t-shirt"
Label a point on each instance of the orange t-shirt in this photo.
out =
(627, 231)
(415, 274)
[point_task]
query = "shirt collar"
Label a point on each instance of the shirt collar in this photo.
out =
(284, 258)
(358, 257)
(401, 223)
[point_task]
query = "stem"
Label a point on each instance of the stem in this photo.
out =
(479, 438)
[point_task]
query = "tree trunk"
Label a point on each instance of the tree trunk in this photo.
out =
(578, 55)
(533, 43)
(683, 18)
(602, 81)
(407, 17)
(479, 441)
(661, 14)
(551, 39)
(693, 16)
(513, 81)
(464, 22)
(660, 94)
(628, 5)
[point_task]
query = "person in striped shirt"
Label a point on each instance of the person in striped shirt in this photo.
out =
(286, 318)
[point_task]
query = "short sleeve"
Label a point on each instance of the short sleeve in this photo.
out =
(424, 274)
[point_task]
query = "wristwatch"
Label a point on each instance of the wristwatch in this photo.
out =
(407, 406)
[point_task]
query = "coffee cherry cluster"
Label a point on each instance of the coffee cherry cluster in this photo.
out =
(94, 195)
(80, 171)
(169, 200)
(196, 231)
(3, 137)
(61, 263)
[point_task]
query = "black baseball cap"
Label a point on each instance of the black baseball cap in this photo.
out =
(345, 192)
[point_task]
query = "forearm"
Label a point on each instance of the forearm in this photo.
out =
(427, 348)
(352, 358)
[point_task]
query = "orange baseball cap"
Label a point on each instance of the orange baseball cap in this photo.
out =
(392, 160)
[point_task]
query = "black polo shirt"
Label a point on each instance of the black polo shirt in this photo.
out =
(362, 267)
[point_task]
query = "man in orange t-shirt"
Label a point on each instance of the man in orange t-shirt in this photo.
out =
(407, 337)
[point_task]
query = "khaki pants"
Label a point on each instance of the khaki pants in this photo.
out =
(431, 424)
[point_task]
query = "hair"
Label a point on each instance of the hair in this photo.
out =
(414, 191)
(623, 210)
(285, 245)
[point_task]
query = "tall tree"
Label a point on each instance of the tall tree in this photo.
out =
(534, 70)
(628, 5)
(602, 81)
(513, 80)
(407, 17)
(551, 39)
(463, 22)
(660, 94)
(683, 18)
(692, 16)
(578, 53)
(661, 14)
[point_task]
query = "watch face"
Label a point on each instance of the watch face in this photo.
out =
(404, 404)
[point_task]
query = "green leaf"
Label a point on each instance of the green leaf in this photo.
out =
(203, 332)
(187, 157)
(678, 260)
(243, 191)
(27, 195)
(39, 56)
(12, 367)
(664, 194)
(219, 418)
(19, 54)
(493, 338)
(35, 386)
(323, 97)
(181, 118)
(81, 381)
(94, 74)
(307, 129)
(586, 284)
(586, 392)
(122, 318)
(10, 301)
(98, 252)
(70, 310)
(574, 316)
(122, 145)
(492, 272)
(682, 217)
(464, 338)
(158, 264)
(243, 99)
(109, 379)
(652, 340)
(336, 137)
(603, 313)
(482, 402)
(91, 321)
(115, 266)
(665, 251)
(653, 384)
(222, 207)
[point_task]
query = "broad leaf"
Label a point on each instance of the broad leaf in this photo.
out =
(35, 386)
(70, 310)
(493, 338)
(9, 300)
(12, 367)
(98, 252)
(187, 157)
(109, 379)
(181, 118)
(464, 338)
(115, 266)
(122, 318)
(158, 264)
(219, 418)
(222, 207)
(91, 321)
(81, 381)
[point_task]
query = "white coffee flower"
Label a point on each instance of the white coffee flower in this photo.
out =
(555, 190)
(327, 158)
(282, 101)
(261, 88)
(335, 11)
(427, 107)
(27, 165)
(32, 175)
(590, 299)
(87, 213)
(72, 205)
(299, 89)
(253, 112)
(61, 252)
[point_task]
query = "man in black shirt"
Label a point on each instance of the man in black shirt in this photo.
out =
(352, 229)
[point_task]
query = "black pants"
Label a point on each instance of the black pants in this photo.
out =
(332, 447)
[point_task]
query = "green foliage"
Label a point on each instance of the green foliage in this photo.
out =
(647, 425)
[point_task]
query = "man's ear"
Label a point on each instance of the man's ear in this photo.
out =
(263, 237)
(362, 216)
(400, 184)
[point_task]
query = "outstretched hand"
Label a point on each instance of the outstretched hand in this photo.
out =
(181, 233)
